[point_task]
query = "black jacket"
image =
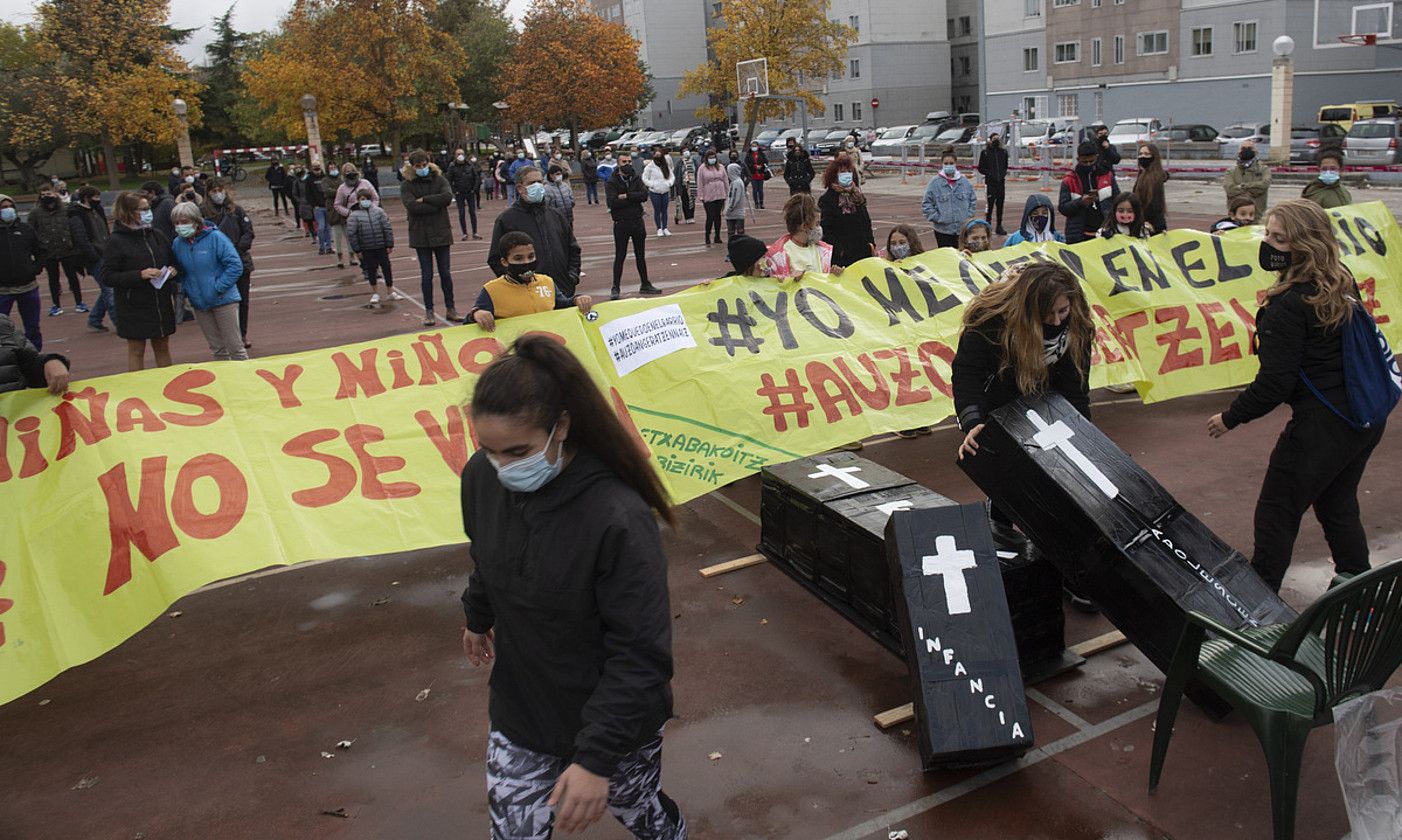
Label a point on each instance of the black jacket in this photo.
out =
(849, 234)
(160, 216)
(276, 176)
(1290, 339)
(982, 386)
(95, 231)
(589, 170)
(143, 311)
(57, 230)
(21, 365)
(1109, 155)
(573, 580)
(21, 256)
(993, 164)
(465, 178)
(235, 224)
(556, 249)
(625, 196)
(798, 171)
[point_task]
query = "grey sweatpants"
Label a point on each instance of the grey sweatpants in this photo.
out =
(220, 326)
(519, 782)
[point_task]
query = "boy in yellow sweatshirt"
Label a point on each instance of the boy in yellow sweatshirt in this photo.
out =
(521, 291)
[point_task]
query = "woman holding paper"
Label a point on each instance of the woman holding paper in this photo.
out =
(136, 263)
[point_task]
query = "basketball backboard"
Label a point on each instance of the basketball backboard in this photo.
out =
(752, 77)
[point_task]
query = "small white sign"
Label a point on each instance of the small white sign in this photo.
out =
(634, 340)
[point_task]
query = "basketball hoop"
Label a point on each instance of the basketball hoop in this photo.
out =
(1368, 39)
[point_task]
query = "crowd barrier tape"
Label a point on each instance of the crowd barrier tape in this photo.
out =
(1131, 170)
(135, 489)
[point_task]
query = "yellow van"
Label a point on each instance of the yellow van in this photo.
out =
(1345, 115)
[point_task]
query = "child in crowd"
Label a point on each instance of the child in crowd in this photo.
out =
(748, 256)
(1038, 223)
(1241, 212)
(1126, 218)
(521, 291)
(903, 241)
(372, 237)
(802, 248)
(975, 236)
(734, 211)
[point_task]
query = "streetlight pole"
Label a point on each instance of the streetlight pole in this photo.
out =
(182, 137)
(1282, 98)
(313, 129)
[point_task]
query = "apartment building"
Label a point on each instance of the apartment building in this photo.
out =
(673, 38)
(1206, 61)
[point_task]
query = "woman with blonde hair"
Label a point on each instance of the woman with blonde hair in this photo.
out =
(1026, 335)
(134, 259)
(1320, 457)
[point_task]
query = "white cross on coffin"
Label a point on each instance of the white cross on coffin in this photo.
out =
(843, 474)
(949, 562)
(1058, 436)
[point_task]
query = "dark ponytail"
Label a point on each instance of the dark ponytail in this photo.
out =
(537, 379)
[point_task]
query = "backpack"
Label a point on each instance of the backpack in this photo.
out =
(1371, 375)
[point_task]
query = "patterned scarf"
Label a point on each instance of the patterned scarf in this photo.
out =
(851, 199)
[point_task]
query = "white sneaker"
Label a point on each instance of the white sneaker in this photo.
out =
(394, 294)
(666, 232)
(375, 299)
(661, 232)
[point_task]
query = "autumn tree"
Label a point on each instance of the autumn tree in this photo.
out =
(375, 66)
(29, 128)
(571, 66)
(115, 71)
(483, 29)
(797, 38)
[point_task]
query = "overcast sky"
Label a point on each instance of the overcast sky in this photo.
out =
(249, 15)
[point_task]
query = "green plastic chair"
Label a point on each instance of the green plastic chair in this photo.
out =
(1285, 679)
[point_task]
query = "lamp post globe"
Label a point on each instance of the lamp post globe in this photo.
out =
(1283, 46)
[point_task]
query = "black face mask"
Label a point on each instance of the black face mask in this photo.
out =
(49, 202)
(1271, 258)
(627, 170)
(1144, 162)
(1085, 168)
(1050, 332)
(1248, 154)
(521, 272)
(1039, 223)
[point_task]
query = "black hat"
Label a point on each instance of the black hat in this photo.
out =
(744, 251)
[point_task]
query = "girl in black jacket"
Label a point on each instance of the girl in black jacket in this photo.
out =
(1027, 334)
(134, 255)
(1319, 458)
(568, 594)
(844, 217)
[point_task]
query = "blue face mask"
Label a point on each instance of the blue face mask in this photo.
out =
(365, 203)
(8, 214)
(844, 178)
(1329, 177)
(422, 171)
(535, 193)
(185, 231)
(533, 472)
(147, 217)
(950, 170)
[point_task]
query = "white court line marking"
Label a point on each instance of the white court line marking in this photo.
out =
(1059, 710)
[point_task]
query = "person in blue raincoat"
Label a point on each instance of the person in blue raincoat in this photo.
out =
(210, 268)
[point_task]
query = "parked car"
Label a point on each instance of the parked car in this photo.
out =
(891, 140)
(1135, 130)
(767, 137)
(1346, 115)
(1055, 131)
(1306, 141)
(626, 139)
(372, 150)
(1233, 135)
(782, 140)
(685, 137)
(1191, 139)
(955, 136)
(815, 138)
(923, 136)
(652, 139)
(833, 140)
(1373, 142)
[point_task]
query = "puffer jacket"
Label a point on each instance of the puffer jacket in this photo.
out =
(561, 197)
(369, 229)
(235, 224)
(57, 230)
(658, 183)
(556, 249)
(95, 231)
(429, 226)
(210, 268)
(21, 257)
(347, 195)
(465, 178)
(143, 311)
(21, 364)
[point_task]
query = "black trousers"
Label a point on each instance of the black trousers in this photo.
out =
(245, 282)
(713, 209)
(280, 197)
(995, 191)
(734, 228)
(427, 257)
(631, 229)
(946, 240)
(467, 205)
(1317, 462)
(372, 262)
(72, 266)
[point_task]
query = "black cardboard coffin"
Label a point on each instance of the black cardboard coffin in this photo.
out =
(1111, 529)
(967, 686)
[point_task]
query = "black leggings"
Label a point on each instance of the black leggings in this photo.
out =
(71, 267)
(245, 282)
(372, 262)
(280, 196)
(995, 190)
(467, 202)
(713, 209)
(622, 232)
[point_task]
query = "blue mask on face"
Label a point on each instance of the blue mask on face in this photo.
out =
(365, 203)
(844, 178)
(185, 231)
(949, 170)
(147, 217)
(8, 214)
(533, 472)
(535, 193)
(1329, 177)
(422, 171)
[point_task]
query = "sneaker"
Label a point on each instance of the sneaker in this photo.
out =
(465, 237)
(340, 264)
(666, 231)
(1006, 536)
(661, 232)
(476, 236)
(395, 294)
(82, 307)
(1121, 389)
(908, 433)
(614, 294)
(649, 289)
(55, 310)
(375, 299)
(97, 327)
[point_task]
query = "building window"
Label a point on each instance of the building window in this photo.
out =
(1373, 19)
(854, 68)
(1067, 104)
(1244, 33)
(949, 29)
(1099, 105)
(1029, 60)
(1029, 106)
(1151, 43)
(965, 66)
(1095, 4)
(837, 112)
(1068, 52)
(966, 25)
(856, 110)
(1119, 49)
(1057, 4)
(855, 22)
(1119, 2)
(1033, 8)
(1094, 52)
(1202, 41)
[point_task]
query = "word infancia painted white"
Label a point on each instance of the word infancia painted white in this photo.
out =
(990, 701)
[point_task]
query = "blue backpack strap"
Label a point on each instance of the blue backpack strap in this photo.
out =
(1344, 417)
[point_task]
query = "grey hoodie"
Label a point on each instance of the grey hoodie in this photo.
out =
(735, 201)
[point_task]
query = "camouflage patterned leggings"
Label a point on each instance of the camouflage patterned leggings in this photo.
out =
(519, 782)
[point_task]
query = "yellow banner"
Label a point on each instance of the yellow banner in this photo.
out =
(133, 490)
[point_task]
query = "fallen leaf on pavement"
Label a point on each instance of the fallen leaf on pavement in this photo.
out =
(344, 745)
(421, 696)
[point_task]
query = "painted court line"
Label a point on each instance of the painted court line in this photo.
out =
(1057, 709)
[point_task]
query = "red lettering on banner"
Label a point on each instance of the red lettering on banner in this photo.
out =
(1368, 289)
(74, 424)
(181, 390)
(286, 397)
(1217, 333)
(1104, 348)
(1173, 358)
(233, 497)
(145, 525)
(929, 351)
(360, 436)
(34, 461)
(626, 418)
(5, 605)
(904, 376)
(470, 354)
(786, 399)
(358, 379)
(402, 379)
(5, 473)
(133, 412)
(1249, 320)
(340, 478)
(435, 364)
(878, 396)
(452, 444)
(1125, 328)
(820, 376)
